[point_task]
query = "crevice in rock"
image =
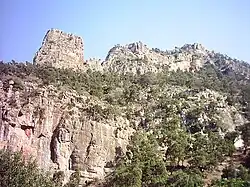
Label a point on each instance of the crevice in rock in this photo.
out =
(109, 164)
(60, 136)
(12, 124)
(20, 114)
(41, 135)
(88, 148)
(92, 126)
(70, 166)
(6, 131)
(53, 146)
(4, 115)
(74, 162)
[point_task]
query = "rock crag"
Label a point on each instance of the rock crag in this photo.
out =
(61, 50)
(137, 58)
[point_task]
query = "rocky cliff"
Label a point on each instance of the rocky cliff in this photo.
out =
(60, 50)
(61, 129)
(66, 131)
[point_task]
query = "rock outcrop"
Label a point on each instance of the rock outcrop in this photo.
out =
(59, 130)
(137, 58)
(61, 50)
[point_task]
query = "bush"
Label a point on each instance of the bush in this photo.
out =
(143, 165)
(17, 172)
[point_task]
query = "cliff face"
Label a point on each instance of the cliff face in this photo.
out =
(66, 131)
(59, 130)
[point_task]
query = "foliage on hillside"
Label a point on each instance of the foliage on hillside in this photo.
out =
(16, 171)
(182, 164)
(106, 86)
(234, 176)
(100, 84)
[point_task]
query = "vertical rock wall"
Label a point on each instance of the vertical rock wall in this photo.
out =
(53, 127)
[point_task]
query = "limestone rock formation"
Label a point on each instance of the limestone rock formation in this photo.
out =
(57, 128)
(60, 50)
(138, 58)
(66, 131)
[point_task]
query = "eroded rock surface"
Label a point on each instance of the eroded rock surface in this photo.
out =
(61, 50)
(138, 58)
(54, 127)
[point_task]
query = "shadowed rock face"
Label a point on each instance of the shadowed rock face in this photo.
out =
(54, 128)
(60, 50)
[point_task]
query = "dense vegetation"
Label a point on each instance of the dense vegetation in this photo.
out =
(100, 84)
(172, 152)
(17, 171)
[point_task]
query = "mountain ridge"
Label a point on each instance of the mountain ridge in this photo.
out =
(189, 57)
(63, 50)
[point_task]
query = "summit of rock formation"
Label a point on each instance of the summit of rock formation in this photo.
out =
(63, 50)
(60, 50)
(138, 58)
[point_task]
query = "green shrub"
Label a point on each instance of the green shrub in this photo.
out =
(17, 172)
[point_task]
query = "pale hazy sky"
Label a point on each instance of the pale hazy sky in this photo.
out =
(221, 25)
